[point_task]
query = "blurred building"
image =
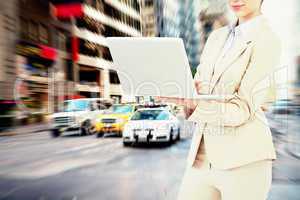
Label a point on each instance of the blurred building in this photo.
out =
(100, 19)
(167, 18)
(213, 14)
(8, 40)
(189, 31)
(160, 18)
(174, 18)
(297, 49)
(32, 51)
(148, 18)
(53, 50)
(43, 60)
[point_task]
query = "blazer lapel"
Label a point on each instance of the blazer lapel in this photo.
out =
(216, 50)
(222, 64)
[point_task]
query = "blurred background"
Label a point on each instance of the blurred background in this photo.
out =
(58, 82)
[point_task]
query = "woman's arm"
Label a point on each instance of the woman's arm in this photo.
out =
(251, 95)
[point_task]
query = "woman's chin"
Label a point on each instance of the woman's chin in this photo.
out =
(240, 14)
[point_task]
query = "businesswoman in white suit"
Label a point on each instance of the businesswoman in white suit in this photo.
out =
(232, 151)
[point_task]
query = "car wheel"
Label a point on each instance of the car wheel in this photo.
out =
(120, 133)
(127, 144)
(92, 129)
(100, 134)
(86, 128)
(178, 135)
(55, 133)
(171, 137)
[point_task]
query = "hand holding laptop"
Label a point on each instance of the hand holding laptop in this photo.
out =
(189, 104)
(198, 86)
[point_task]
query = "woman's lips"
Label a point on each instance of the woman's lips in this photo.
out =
(237, 7)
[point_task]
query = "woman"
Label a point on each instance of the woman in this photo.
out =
(232, 150)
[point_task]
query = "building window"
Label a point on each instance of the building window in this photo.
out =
(62, 41)
(24, 28)
(149, 3)
(43, 34)
(132, 3)
(99, 5)
(69, 70)
(119, 16)
(33, 30)
(90, 24)
(113, 77)
(89, 76)
(109, 31)
(89, 48)
(106, 54)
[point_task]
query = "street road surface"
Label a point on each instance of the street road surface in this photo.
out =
(37, 167)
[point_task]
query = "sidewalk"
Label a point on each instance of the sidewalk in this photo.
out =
(25, 129)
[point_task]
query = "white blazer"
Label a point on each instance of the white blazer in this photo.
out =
(235, 130)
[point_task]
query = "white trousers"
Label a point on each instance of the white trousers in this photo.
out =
(248, 182)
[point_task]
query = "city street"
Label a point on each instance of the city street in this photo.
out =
(35, 166)
(70, 65)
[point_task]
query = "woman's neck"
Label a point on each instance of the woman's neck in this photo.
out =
(248, 17)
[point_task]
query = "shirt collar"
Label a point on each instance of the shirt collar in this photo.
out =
(244, 29)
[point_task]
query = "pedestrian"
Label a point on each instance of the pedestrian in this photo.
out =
(231, 153)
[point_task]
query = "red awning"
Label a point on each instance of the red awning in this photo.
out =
(75, 49)
(68, 10)
(69, 97)
(48, 52)
(75, 96)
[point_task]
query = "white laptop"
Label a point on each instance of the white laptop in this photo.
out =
(152, 66)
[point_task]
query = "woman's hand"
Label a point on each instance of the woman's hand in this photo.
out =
(189, 104)
(198, 86)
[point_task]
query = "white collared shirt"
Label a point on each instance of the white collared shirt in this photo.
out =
(239, 32)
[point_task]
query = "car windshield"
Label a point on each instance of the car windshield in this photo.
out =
(150, 115)
(78, 105)
(283, 103)
(122, 108)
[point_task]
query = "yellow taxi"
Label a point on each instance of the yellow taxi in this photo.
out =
(114, 120)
